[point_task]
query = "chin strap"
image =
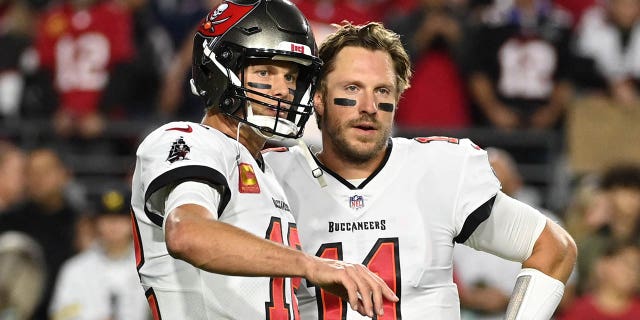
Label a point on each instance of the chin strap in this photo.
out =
(315, 169)
(282, 126)
(238, 145)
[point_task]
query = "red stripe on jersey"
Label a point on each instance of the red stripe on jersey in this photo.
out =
(153, 304)
(137, 243)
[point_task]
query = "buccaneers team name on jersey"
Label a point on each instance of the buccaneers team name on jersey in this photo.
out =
(357, 226)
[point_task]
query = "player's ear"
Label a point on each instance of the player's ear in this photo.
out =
(318, 103)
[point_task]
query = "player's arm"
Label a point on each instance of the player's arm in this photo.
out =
(193, 235)
(554, 252)
(518, 232)
(540, 285)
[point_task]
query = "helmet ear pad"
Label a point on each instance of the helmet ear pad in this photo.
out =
(232, 58)
(231, 101)
(220, 90)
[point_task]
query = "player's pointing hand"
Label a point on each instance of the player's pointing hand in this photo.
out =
(363, 289)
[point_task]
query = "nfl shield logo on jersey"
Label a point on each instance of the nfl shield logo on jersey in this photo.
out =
(356, 202)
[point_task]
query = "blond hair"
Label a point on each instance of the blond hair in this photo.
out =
(372, 36)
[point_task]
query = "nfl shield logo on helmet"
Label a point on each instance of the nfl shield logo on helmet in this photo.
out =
(356, 202)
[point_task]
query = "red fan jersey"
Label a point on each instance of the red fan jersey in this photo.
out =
(81, 48)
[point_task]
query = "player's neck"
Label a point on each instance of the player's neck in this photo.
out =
(347, 168)
(245, 135)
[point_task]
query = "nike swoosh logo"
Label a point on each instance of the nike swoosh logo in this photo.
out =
(187, 129)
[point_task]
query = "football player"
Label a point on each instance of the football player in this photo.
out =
(400, 205)
(205, 204)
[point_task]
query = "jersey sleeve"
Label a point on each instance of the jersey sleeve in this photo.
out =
(477, 187)
(192, 192)
(169, 157)
(510, 231)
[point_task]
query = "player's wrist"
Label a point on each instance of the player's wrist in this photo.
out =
(305, 265)
(535, 296)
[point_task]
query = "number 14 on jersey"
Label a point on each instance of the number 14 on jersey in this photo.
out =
(383, 259)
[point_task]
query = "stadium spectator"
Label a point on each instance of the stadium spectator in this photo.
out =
(519, 66)
(46, 215)
(588, 210)
(437, 97)
(577, 8)
(101, 282)
(621, 186)
(22, 275)
(614, 295)
(175, 98)
(81, 42)
(178, 17)
(25, 92)
(322, 13)
(609, 37)
(15, 40)
(12, 175)
(132, 89)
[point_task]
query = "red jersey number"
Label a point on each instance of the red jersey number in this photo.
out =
(383, 259)
(277, 308)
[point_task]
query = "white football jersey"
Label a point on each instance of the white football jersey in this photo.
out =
(93, 286)
(249, 199)
(401, 222)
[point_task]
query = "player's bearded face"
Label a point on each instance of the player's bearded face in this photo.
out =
(356, 147)
(359, 104)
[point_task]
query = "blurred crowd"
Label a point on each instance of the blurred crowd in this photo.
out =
(90, 77)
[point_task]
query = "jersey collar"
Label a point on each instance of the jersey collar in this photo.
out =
(366, 181)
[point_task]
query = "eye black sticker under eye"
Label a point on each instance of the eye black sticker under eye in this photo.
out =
(385, 106)
(345, 102)
(259, 85)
